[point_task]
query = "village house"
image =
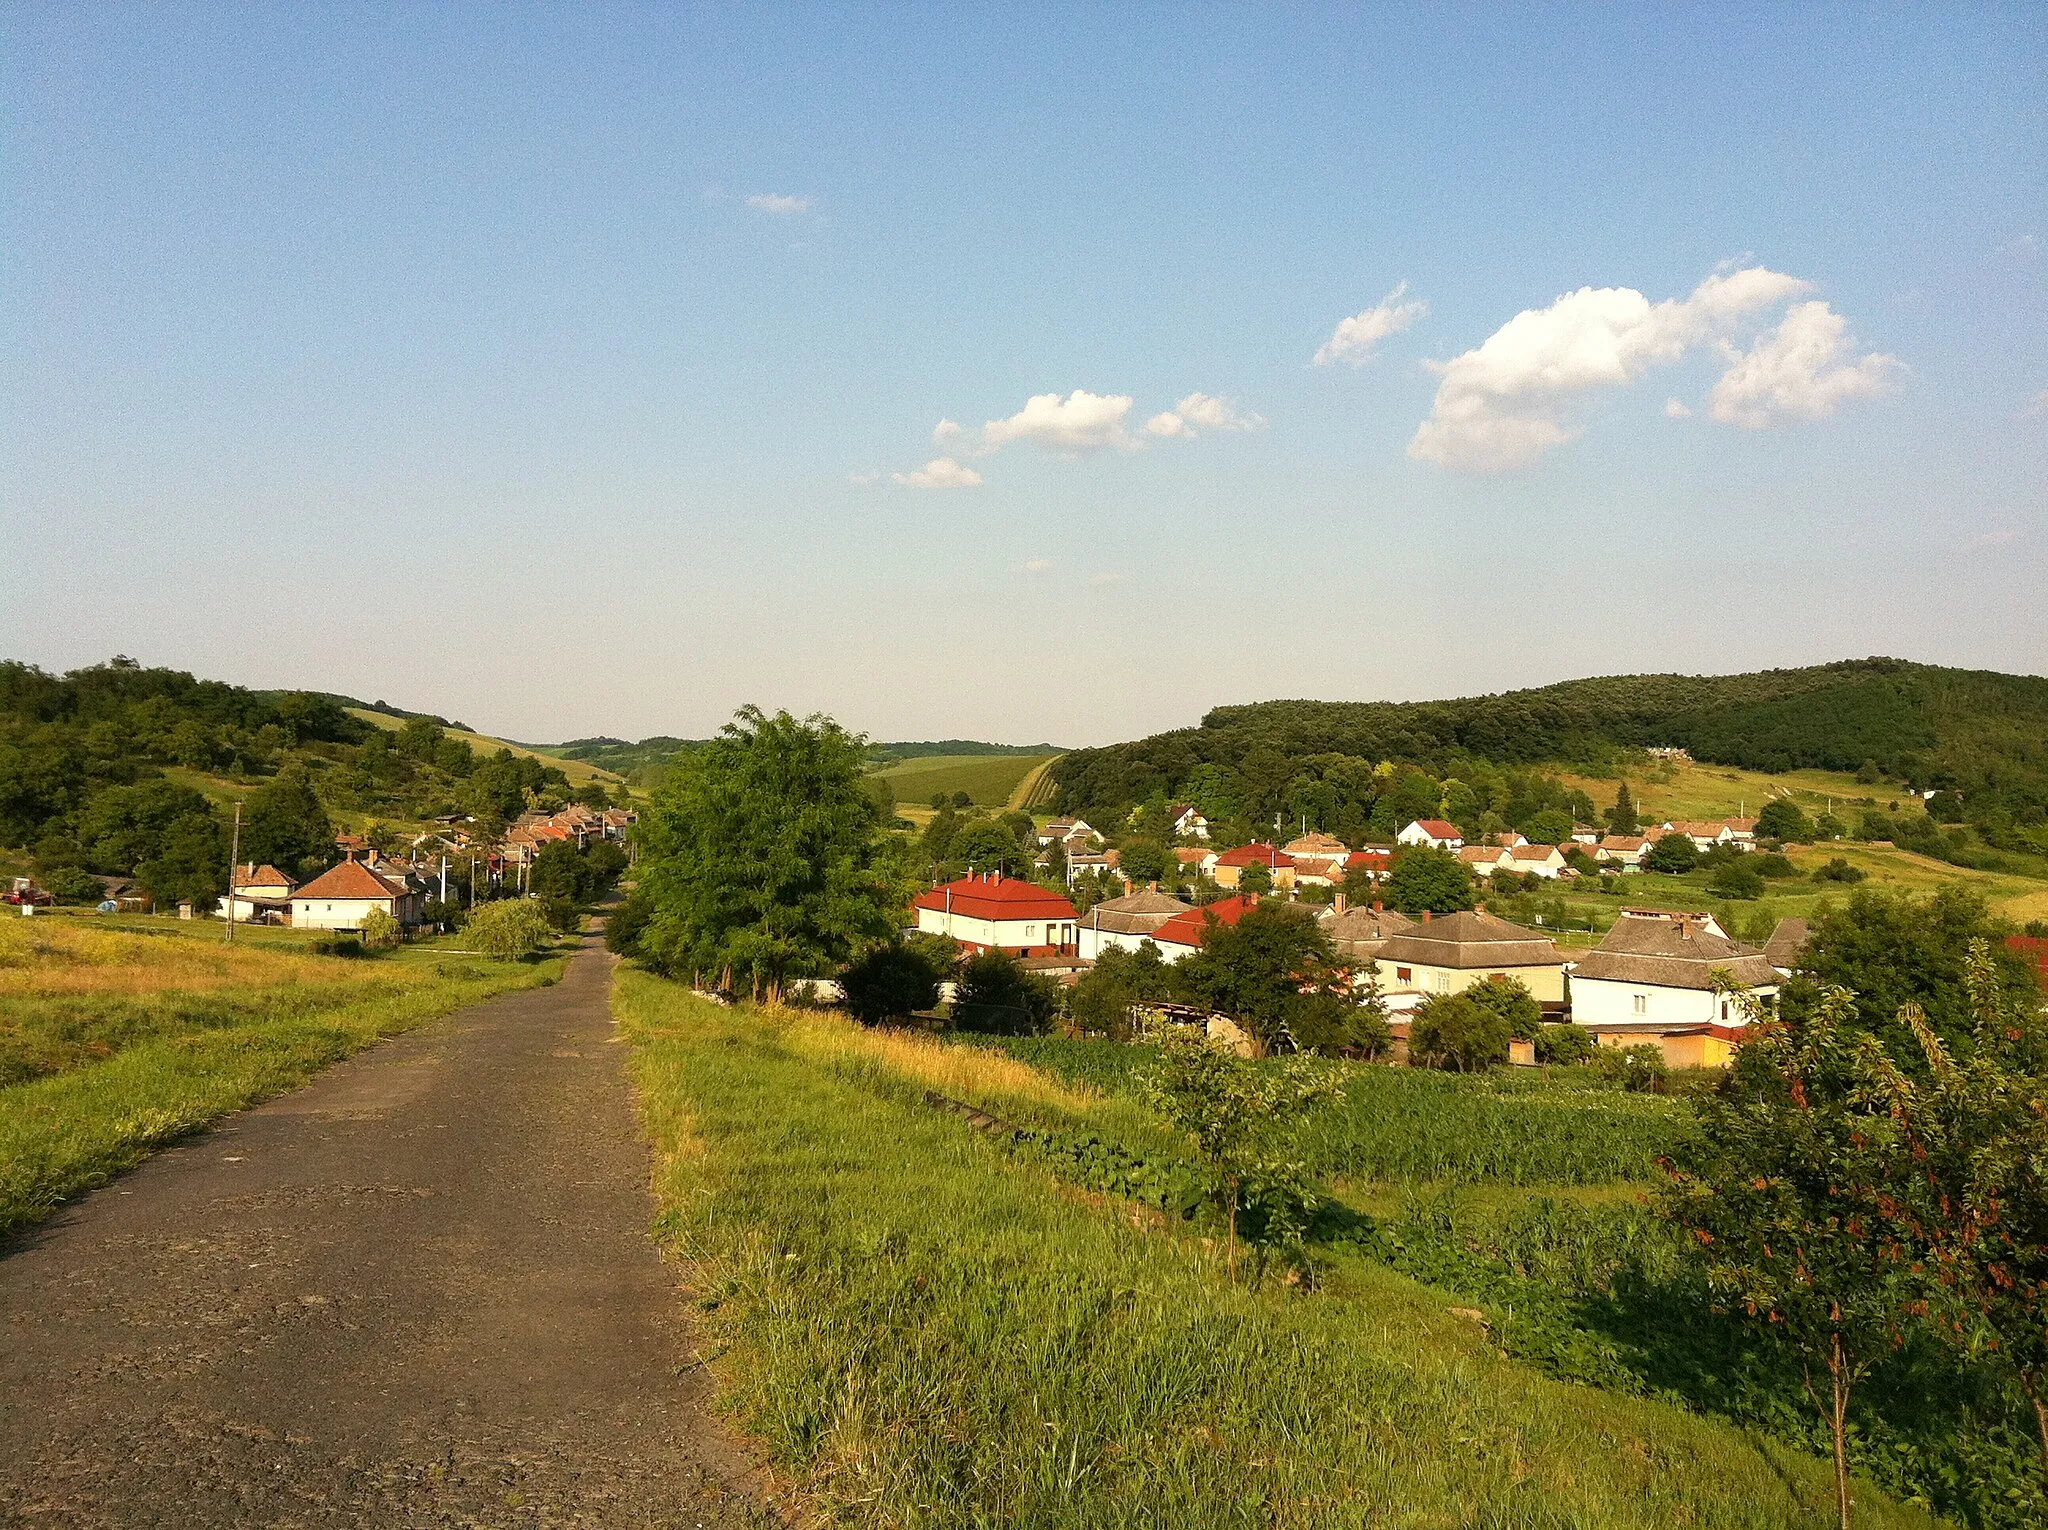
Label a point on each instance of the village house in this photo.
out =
(992, 912)
(1183, 934)
(1434, 832)
(1071, 832)
(1506, 840)
(1359, 933)
(1742, 832)
(1127, 922)
(341, 897)
(1447, 954)
(1484, 860)
(1083, 861)
(1195, 861)
(1369, 862)
(1188, 823)
(258, 895)
(1625, 850)
(1536, 861)
(1652, 980)
(1786, 945)
(1231, 864)
(1705, 833)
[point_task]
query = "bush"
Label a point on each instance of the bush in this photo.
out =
(1511, 1000)
(1451, 1032)
(346, 945)
(70, 885)
(380, 930)
(1674, 854)
(1735, 880)
(622, 926)
(561, 914)
(1838, 870)
(891, 982)
(1565, 1044)
(509, 929)
(1640, 1069)
(997, 997)
(1773, 865)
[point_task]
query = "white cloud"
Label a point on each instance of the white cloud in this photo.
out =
(1100, 580)
(2035, 408)
(944, 431)
(863, 479)
(1198, 412)
(940, 473)
(1503, 405)
(1082, 421)
(775, 202)
(1805, 369)
(1354, 338)
(1674, 409)
(1035, 566)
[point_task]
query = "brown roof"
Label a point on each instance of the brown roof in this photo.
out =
(1471, 939)
(1138, 913)
(351, 879)
(1532, 852)
(265, 875)
(1673, 953)
(1624, 843)
(1481, 855)
(1318, 846)
(1787, 943)
(1361, 931)
(1188, 855)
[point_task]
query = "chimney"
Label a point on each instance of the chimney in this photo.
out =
(1338, 902)
(1425, 916)
(1378, 907)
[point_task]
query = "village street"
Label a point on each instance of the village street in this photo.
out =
(419, 1291)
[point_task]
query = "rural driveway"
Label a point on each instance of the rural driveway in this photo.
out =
(419, 1291)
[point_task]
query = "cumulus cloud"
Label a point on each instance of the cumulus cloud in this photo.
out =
(1082, 421)
(1199, 412)
(1503, 405)
(944, 431)
(774, 202)
(1674, 409)
(1805, 369)
(940, 473)
(1354, 338)
(2035, 408)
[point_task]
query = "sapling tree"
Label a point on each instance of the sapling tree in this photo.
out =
(1241, 1117)
(1787, 1191)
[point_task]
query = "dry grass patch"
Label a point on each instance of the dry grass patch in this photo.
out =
(58, 957)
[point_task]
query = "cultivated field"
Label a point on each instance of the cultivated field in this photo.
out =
(116, 1038)
(992, 780)
(927, 1323)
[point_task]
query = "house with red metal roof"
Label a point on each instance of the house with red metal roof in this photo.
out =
(1437, 833)
(1231, 864)
(1183, 934)
(992, 912)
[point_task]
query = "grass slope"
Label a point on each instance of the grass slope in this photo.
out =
(114, 1042)
(992, 780)
(926, 1332)
(579, 772)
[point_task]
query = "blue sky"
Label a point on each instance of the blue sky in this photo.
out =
(578, 371)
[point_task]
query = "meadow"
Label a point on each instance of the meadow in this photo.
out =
(991, 780)
(117, 1037)
(928, 1324)
(579, 772)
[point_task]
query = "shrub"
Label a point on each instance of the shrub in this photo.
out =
(1735, 880)
(997, 997)
(1641, 1068)
(1451, 1032)
(1838, 870)
(561, 914)
(509, 929)
(380, 930)
(1511, 1000)
(1565, 1044)
(70, 885)
(891, 982)
(1674, 854)
(1772, 864)
(346, 945)
(622, 926)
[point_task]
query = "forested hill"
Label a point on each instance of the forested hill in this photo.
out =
(1982, 733)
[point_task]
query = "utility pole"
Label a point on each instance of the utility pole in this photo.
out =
(234, 864)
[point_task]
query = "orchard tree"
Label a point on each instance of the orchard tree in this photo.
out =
(762, 856)
(1424, 879)
(1675, 854)
(1509, 998)
(1257, 970)
(1454, 1032)
(1781, 818)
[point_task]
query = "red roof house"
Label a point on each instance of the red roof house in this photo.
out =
(1184, 933)
(1231, 864)
(994, 912)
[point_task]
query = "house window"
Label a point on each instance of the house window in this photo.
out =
(1641, 1003)
(1443, 982)
(1030, 934)
(1403, 974)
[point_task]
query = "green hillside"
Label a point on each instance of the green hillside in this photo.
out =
(1982, 734)
(990, 780)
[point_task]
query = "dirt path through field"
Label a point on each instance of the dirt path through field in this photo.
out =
(419, 1291)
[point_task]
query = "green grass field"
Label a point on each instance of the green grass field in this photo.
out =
(579, 772)
(925, 1327)
(1694, 790)
(116, 1037)
(991, 780)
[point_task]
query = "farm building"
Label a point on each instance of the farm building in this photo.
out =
(992, 912)
(343, 896)
(1127, 921)
(260, 894)
(1653, 980)
(1452, 953)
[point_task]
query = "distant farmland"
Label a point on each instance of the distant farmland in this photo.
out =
(991, 780)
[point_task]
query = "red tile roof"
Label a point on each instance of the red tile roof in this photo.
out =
(351, 879)
(1255, 855)
(997, 897)
(1191, 928)
(1437, 828)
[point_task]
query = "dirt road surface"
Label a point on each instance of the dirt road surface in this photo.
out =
(419, 1291)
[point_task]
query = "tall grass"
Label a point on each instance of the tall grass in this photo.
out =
(926, 1332)
(96, 1076)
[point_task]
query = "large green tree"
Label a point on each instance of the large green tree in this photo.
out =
(284, 825)
(1425, 879)
(762, 855)
(1259, 970)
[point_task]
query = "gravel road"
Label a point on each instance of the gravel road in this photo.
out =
(419, 1291)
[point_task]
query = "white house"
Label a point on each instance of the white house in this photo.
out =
(1067, 831)
(340, 899)
(259, 894)
(991, 912)
(1705, 833)
(1183, 934)
(1625, 850)
(1127, 922)
(1434, 832)
(1484, 860)
(1452, 953)
(1651, 980)
(1188, 822)
(1536, 860)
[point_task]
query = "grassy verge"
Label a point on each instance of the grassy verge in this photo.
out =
(115, 1042)
(926, 1330)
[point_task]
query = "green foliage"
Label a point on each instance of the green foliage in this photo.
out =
(762, 855)
(892, 982)
(562, 915)
(1256, 970)
(985, 845)
(1103, 999)
(1565, 1044)
(1424, 879)
(1552, 826)
(1510, 999)
(1255, 880)
(1782, 818)
(1674, 854)
(284, 825)
(1147, 860)
(1839, 870)
(1453, 1032)
(70, 885)
(1335, 1023)
(509, 929)
(380, 931)
(1640, 1069)
(1735, 879)
(1621, 818)
(626, 923)
(1771, 864)
(997, 997)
